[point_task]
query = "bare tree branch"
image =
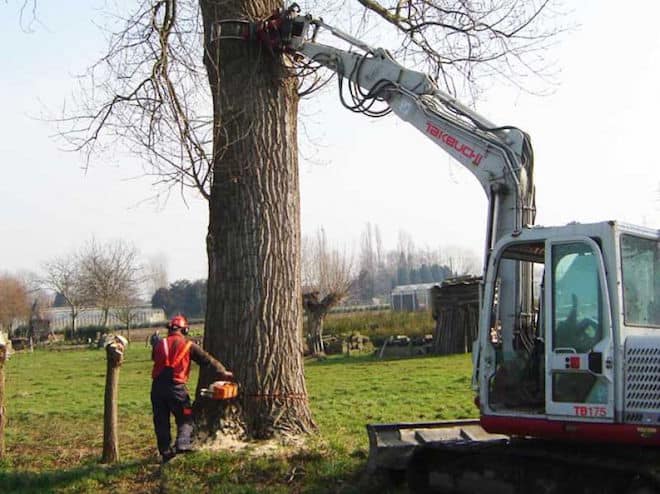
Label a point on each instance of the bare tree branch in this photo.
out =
(63, 275)
(150, 90)
(110, 275)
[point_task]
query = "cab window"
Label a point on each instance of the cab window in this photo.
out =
(576, 296)
(640, 265)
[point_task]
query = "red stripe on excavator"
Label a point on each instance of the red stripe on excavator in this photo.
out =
(573, 431)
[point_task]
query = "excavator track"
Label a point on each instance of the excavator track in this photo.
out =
(530, 466)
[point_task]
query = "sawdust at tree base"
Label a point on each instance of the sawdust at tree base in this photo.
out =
(270, 447)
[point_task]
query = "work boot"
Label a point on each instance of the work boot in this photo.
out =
(184, 449)
(167, 455)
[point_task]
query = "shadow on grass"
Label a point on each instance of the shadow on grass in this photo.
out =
(339, 477)
(17, 481)
(355, 481)
(367, 358)
(302, 472)
(341, 360)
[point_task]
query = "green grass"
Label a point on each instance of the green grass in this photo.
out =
(54, 403)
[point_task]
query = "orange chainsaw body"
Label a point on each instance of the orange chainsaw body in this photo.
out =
(221, 390)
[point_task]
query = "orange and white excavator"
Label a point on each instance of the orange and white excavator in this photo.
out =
(567, 361)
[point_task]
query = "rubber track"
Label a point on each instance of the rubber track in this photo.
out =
(531, 465)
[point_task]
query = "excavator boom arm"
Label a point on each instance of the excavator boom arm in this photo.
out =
(499, 157)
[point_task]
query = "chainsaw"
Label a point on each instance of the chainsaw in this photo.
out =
(220, 390)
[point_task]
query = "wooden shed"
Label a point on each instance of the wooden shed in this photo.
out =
(455, 306)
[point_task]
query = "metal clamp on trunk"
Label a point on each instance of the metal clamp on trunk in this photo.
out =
(231, 29)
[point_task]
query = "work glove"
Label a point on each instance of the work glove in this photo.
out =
(226, 376)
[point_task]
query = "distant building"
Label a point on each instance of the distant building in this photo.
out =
(411, 297)
(60, 317)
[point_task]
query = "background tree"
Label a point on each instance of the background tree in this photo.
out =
(63, 275)
(326, 281)
(439, 273)
(243, 157)
(14, 301)
(425, 275)
(406, 264)
(162, 299)
(368, 264)
(182, 297)
(126, 311)
(188, 298)
(403, 270)
(461, 262)
(109, 274)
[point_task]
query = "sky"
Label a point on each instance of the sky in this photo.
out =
(593, 137)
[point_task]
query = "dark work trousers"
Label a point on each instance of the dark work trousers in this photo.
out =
(170, 398)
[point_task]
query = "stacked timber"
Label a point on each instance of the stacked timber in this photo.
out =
(456, 312)
(357, 343)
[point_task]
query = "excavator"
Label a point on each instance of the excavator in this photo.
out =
(567, 359)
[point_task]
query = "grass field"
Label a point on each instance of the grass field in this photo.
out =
(54, 402)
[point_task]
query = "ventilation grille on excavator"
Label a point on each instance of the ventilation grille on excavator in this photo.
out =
(642, 381)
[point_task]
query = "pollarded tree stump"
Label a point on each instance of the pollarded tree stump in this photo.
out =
(114, 351)
(3, 417)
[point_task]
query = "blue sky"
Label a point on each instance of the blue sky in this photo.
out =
(594, 140)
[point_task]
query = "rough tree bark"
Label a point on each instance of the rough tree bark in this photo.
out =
(253, 242)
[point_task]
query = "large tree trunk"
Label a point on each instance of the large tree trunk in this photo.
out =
(253, 317)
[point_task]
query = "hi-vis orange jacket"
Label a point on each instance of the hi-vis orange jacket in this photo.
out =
(175, 352)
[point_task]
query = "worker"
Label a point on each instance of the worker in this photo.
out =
(154, 338)
(169, 395)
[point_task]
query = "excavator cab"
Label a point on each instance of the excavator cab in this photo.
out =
(562, 306)
(567, 368)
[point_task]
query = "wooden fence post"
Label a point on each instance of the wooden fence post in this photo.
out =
(3, 417)
(114, 351)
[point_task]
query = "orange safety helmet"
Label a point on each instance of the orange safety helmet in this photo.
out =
(178, 322)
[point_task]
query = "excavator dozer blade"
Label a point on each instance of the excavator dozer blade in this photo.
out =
(392, 445)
